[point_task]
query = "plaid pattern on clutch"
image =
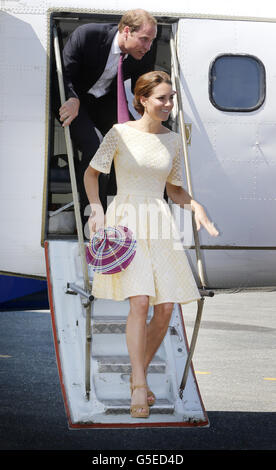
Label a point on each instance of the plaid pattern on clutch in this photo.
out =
(111, 250)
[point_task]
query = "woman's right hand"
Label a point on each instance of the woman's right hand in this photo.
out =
(96, 219)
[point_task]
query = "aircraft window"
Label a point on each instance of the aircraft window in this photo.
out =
(237, 82)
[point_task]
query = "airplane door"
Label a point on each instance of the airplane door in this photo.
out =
(228, 84)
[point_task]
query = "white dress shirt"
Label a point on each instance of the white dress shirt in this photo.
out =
(101, 87)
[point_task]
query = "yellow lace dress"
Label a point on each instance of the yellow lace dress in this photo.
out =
(143, 163)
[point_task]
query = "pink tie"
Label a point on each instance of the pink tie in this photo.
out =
(122, 112)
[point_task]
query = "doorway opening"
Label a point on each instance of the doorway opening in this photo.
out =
(58, 201)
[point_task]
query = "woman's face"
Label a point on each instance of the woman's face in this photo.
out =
(160, 103)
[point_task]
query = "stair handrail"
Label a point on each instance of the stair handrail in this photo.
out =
(202, 290)
(70, 153)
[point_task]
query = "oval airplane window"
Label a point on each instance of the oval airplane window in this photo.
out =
(237, 82)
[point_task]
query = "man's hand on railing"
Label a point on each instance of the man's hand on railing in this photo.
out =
(69, 111)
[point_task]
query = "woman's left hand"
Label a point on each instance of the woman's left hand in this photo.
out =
(202, 219)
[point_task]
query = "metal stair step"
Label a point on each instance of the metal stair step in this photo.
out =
(122, 406)
(114, 324)
(121, 364)
(109, 325)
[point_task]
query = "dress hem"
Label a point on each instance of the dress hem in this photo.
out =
(151, 304)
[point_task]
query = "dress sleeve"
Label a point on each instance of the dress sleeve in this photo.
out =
(175, 176)
(107, 150)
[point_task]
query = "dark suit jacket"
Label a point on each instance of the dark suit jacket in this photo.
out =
(85, 55)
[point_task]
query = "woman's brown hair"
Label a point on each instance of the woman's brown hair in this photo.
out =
(145, 84)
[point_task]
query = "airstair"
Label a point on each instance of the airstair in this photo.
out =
(89, 334)
(103, 397)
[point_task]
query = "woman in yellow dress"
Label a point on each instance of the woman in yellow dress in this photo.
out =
(147, 158)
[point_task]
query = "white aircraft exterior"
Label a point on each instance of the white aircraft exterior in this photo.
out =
(232, 154)
(227, 80)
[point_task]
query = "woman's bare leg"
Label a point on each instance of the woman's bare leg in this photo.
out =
(136, 331)
(156, 330)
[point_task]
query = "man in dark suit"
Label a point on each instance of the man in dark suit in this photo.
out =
(90, 58)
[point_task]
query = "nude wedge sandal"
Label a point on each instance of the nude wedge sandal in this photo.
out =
(136, 411)
(150, 394)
